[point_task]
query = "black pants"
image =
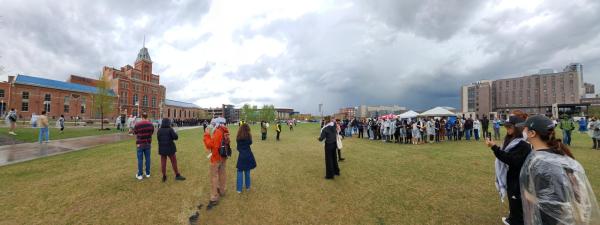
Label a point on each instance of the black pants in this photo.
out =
(361, 133)
(397, 137)
(264, 136)
(596, 143)
(339, 152)
(278, 135)
(331, 164)
(515, 206)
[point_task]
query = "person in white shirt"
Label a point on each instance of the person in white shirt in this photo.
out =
(476, 128)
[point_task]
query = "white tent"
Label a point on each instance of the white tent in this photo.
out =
(437, 111)
(408, 115)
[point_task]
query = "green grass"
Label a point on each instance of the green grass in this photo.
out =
(31, 134)
(449, 183)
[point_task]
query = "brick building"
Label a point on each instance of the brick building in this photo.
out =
(182, 110)
(137, 88)
(30, 94)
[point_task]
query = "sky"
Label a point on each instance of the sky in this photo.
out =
(297, 54)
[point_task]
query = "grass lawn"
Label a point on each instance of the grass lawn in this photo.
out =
(31, 134)
(449, 183)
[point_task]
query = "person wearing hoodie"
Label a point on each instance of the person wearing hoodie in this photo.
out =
(509, 159)
(216, 137)
(166, 137)
(246, 161)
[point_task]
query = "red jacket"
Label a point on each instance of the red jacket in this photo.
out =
(215, 142)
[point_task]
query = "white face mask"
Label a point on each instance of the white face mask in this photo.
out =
(525, 135)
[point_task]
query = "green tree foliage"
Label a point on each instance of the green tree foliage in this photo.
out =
(103, 99)
(267, 113)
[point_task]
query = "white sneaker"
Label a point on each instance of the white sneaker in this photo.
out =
(12, 133)
(139, 177)
(504, 221)
(147, 175)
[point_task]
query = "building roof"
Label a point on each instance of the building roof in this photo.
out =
(56, 84)
(180, 104)
(143, 55)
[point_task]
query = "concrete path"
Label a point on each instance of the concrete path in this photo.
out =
(10, 154)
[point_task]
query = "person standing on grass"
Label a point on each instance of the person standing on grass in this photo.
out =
(278, 129)
(554, 185)
(218, 163)
(567, 125)
(33, 121)
(329, 134)
(246, 161)
(144, 129)
(166, 137)
(263, 130)
(44, 126)
(476, 128)
(339, 141)
(485, 125)
(582, 125)
(61, 123)
(11, 120)
(497, 123)
(509, 159)
(594, 131)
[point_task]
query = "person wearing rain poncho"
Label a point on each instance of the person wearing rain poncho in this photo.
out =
(554, 187)
(509, 159)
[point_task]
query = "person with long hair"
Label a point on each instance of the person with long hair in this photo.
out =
(509, 159)
(246, 161)
(554, 185)
(166, 137)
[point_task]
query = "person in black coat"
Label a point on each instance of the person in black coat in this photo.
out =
(166, 148)
(513, 154)
(329, 135)
(246, 161)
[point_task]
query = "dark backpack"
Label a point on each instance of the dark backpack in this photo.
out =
(225, 148)
(12, 117)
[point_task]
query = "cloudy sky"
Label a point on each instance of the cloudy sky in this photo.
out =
(414, 53)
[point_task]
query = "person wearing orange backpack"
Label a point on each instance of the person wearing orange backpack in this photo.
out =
(219, 139)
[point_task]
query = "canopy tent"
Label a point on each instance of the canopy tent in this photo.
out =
(408, 115)
(388, 116)
(437, 111)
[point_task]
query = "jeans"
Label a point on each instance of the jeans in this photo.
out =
(497, 133)
(241, 176)
(476, 132)
(143, 152)
(44, 133)
(567, 137)
(468, 134)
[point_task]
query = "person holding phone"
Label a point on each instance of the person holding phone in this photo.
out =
(509, 160)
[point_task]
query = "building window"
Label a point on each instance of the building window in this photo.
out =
(145, 101)
(25, 95)
(135, 99)
(168, 113)
(153, 101)
(83, 103)
(66, 108)
(47, 97)
(24, 106)
(67, 103)
(1, 93)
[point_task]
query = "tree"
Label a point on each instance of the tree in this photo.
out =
(103, 99)
(267, 113)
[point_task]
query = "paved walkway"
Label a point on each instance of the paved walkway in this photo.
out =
(10, 154)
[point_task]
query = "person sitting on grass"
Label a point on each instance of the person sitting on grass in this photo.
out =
(44, 125)
(166, 137)
(246, 161)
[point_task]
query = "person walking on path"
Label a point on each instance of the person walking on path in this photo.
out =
(61, 123)
(44, 125)
(567, 125)
(166, 137)
(509, 159)
(11, 120)
(218, 163)
(246, 161)
(263, 130)
(144, 129)
(554, 186)
(329, 134)
(278, 130)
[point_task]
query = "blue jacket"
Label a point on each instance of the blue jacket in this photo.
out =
(246, 159)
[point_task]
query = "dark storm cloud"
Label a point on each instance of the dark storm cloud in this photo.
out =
(52, 38)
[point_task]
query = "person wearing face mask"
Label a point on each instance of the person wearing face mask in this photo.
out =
(554, 186)
(509, 159)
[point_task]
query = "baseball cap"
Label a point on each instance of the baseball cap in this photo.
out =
(514, 120)
(538, 123)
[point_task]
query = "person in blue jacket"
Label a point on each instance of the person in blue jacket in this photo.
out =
(246, 161)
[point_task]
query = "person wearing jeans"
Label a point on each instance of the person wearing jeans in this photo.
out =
(567, 125)
(246, 161)
(143, 131)
(44, 131)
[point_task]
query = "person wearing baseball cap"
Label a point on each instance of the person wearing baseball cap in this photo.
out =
(509, 160)
(554, 186)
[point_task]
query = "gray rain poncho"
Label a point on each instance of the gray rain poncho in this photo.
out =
(555, 190)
